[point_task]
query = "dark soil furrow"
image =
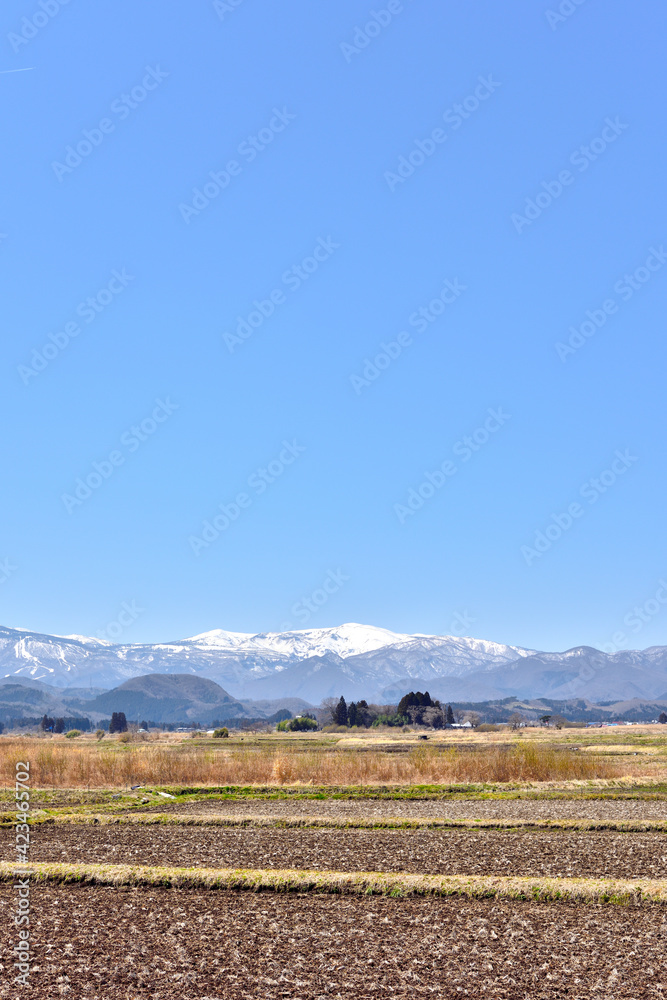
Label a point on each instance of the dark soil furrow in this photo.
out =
(480, 852)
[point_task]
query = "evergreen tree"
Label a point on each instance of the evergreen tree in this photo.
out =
(449, 718)
(59, 726)
(352, 719)
(340, 713)
(414, 699)
(364, 717)
(662, 718)
(118, 723)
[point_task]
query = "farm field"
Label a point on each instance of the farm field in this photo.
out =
(589, 854)
(334, 759)
(592, 805)
(117, 943)
(551, 856)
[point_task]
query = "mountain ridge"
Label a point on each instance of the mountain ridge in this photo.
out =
(359, 661)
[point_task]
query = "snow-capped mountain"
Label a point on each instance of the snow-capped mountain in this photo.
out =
(240, 661)
(343, 640)
(359, 661)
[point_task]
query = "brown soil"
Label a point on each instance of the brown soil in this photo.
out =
(176, 944)
(479, 852)
(593, 809)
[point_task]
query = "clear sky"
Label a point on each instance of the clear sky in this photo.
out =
(214, 216)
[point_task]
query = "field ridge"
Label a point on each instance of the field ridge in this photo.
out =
(401, 884)
(348, 823)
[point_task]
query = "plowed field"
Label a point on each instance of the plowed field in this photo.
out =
(163, 944)
(486, 852)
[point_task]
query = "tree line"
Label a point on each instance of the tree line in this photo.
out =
(415, 708)
(63, 724)
(117, 723)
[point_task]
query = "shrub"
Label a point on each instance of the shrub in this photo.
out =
(222, 733)
(390, 720)
(73, 733)
(100, 734)
(301, 724)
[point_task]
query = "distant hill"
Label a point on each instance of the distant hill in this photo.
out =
(173, 698)
(269, 706)
(573, 709)
(161, 698)
(18, 701)
(168, 698)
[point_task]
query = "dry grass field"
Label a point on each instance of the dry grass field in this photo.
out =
(503, 865)
(331, 759)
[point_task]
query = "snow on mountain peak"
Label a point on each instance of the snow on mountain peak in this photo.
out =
(343, 640)
(375, 658)
(219, 639)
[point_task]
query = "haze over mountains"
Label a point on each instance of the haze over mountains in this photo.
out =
(359, 661)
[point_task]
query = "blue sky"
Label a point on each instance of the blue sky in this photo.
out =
(266, 267)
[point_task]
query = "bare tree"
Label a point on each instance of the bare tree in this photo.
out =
(325, 712)
(416, 714)
(433, 717)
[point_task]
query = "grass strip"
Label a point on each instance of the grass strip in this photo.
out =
(590, 790)
(349, 823)
(543, 890)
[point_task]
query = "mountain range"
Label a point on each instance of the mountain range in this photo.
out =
(359, 661)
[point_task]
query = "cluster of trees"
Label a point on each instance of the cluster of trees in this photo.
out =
(358, 713)
(301, 724)
(62, 725)
(422, 710)
(118, 723)
(415, 708)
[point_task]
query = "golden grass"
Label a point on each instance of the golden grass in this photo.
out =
(60, 764)
(345, 823)
(584, 890)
